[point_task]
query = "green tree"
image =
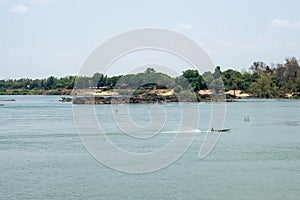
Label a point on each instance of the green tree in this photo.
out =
(50, 82)
(150, 70)
(98, 80)
(195, 79)
(183, 82)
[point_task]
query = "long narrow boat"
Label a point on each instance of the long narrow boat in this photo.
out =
(220, 130)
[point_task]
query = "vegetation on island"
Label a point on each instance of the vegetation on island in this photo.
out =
(260, 80)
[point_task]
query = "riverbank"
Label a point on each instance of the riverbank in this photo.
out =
(37, 92)
(146, 96)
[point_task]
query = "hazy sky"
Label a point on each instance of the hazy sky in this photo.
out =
(39, 38)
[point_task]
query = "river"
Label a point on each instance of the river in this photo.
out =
(42, 157)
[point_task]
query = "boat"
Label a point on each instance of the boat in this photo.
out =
(220, 130)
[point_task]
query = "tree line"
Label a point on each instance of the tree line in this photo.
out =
(261, 80)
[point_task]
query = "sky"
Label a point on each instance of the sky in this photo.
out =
(39, 38)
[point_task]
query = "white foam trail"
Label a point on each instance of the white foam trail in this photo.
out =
(187, 131)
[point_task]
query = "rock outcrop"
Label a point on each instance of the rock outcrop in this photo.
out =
(147, 98)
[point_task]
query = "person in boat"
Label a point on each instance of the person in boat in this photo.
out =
(212, 129)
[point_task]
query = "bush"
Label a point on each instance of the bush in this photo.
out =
(178, 88)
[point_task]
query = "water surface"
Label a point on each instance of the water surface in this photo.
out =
(41, 156)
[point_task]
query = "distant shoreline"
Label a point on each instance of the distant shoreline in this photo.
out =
(38, 92)
(261, 81)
